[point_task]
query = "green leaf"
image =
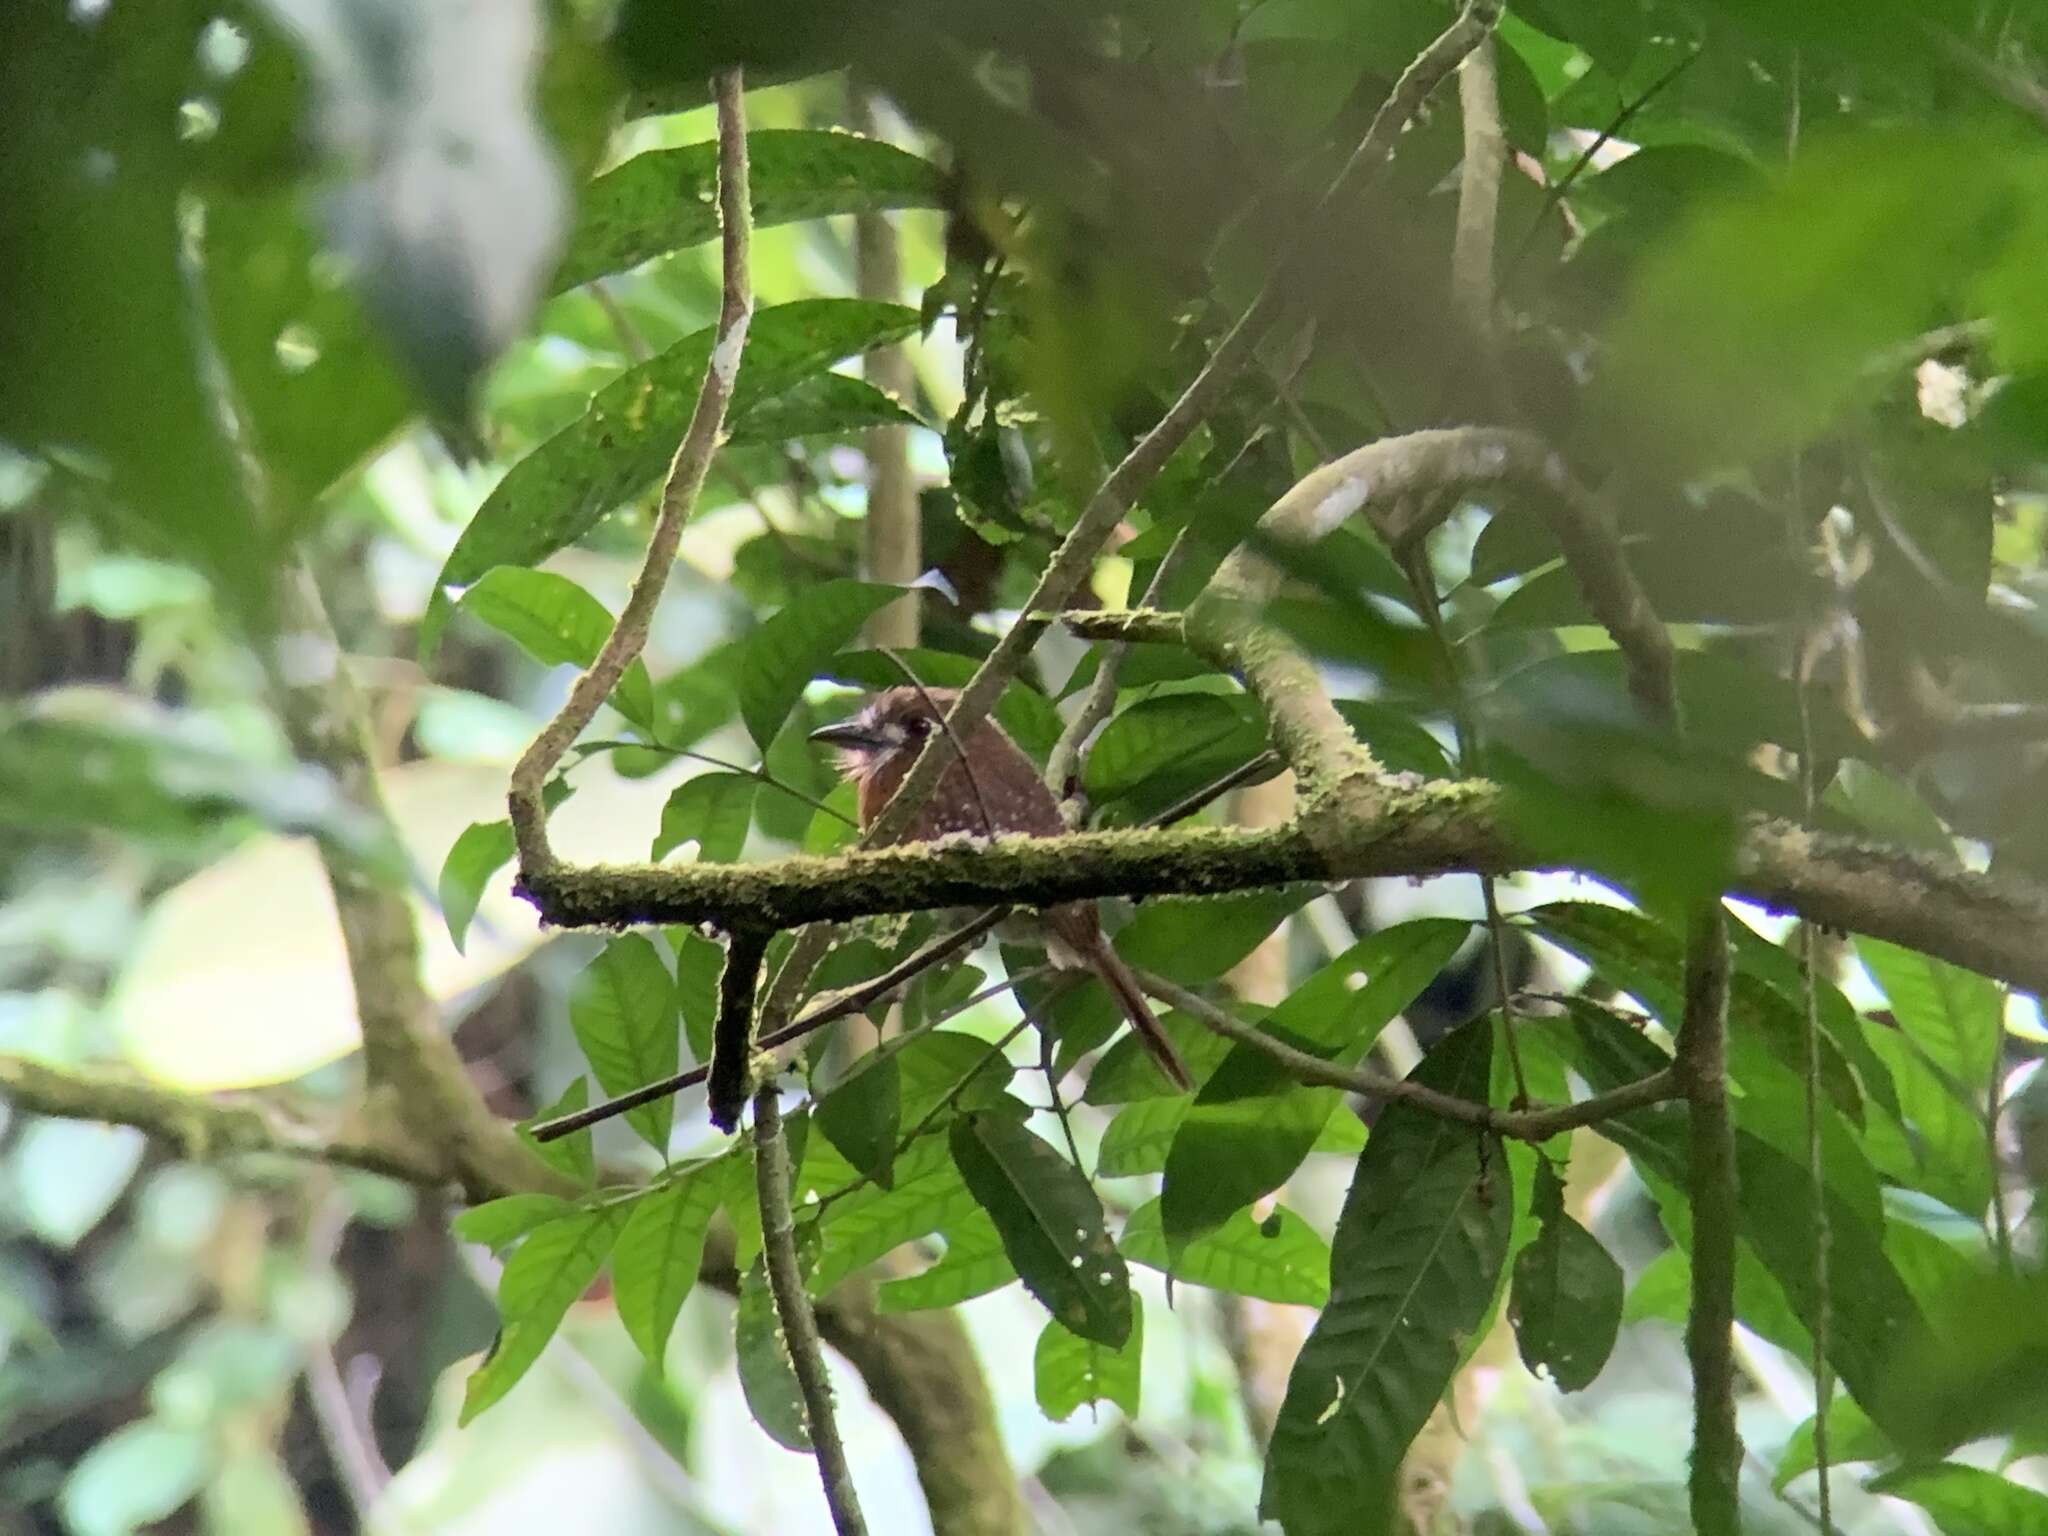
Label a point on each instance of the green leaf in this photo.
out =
(498, 1223)
(1419, 1245)
(572, 1154)
(713, 810)
(624, 1013)
(1401, 745)
(557, 623)
(863, 1115)
(625, 438)
(1162, 748)
(1128, 1071)
(1955, 1016)
(947, 1063)
(656, 1258)
(542, 1280)
(1662, 1291)
(484, 848)
(1070, 1370)
(1279, 1258)
(1851, 1437)
(1051, 1225)
(699, 962)
(973, 1265)
(767, 1379)
(859, 1228)
(824, 405)
(666, 199)
(1968, 1501)
(1138, 1140)
(780, 658)
(1566, 1305)
(1251, 1124)
(1193, 939)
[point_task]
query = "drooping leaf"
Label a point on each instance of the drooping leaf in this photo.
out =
(624, 1014)
(698, 963)
(1566, 1304)
(656, 1257)
(1401, 744)
(767, 1379)
(1138, 1140)
(946, 1064)
(557, 623)
(546, 1273)
(666, 199)
(498, 1223)
(484, 848)
(713, 810)
(1051, 1225)
(624, 440)
(572, 1154)
(1419, 1245)
(1251, 1125)
(862, 1116)
(1070, 1370)
(1276, 1258)
(973, 1265)
(1851, 1437)
(780, 658)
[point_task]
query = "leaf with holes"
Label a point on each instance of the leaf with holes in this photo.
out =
(1419, 1245)
(1275, 1258)
(780, 658)
(1566, 1303)
(656, 1257)
(1069, 1370)
(623, 1010)
(712, 810)
(667, 199)
(973, 1265)
(625, 438)
(542, 1279)
(557, 623)
(1251, 1125)
(1051, 1225)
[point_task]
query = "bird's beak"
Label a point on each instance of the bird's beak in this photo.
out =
(851, 735)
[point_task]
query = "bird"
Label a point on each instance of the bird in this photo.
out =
(992, 791)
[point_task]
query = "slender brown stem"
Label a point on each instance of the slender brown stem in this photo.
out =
(1538, 1122)
(678, 497)
(793, 1310)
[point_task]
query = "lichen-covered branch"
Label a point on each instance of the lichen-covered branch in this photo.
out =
(201, 1128)
(678, 497)
(1988, 923)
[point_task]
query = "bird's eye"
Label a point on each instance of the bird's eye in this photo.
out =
(918, 727)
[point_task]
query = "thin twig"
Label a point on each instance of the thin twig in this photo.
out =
(1478, 188)
(1100, 701)
(678, 497)
(793, 1310)
(1555, 194)
(1260, 768)
(1539, 1122)
(758, 773)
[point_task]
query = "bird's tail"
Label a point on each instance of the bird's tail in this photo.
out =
(1123, 986)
